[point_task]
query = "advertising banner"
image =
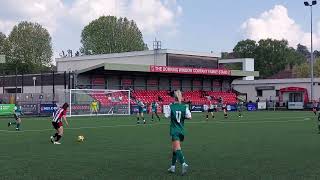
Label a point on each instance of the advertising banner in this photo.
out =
(196, 108)
(135, 109)
(82, 109)
(166, 108)
(47, 108)
(232, 107)
(262, 105)
(30, 109)
(295, 105)
(190, 70)
(251, 106)
(6, 109)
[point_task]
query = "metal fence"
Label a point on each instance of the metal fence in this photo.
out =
(37, 104)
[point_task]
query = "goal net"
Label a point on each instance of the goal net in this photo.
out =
(92, 102)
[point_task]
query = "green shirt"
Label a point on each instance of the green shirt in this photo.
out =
(177, 113)
(140, 103)
(154, 105)
(240, 105)
(17, 110)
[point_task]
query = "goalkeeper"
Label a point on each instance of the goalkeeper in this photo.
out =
(94, 107)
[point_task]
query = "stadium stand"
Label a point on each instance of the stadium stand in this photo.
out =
(197, 97)
(107, 99)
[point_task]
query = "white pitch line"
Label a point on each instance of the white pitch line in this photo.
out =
(197, 122)
(256, 122)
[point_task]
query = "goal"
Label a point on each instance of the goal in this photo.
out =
(109, 102)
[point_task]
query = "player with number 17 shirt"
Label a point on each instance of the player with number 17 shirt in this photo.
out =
(177, 113)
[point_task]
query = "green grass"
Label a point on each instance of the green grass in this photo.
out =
(261, 145)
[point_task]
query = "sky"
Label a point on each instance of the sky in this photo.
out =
(203, 25)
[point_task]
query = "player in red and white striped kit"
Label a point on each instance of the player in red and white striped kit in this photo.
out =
(57, 123)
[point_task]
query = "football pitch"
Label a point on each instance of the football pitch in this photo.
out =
(261, 145)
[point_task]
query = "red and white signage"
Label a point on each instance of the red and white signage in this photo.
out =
(190, 70)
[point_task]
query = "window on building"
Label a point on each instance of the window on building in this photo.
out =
(259, 93)
(13, 90)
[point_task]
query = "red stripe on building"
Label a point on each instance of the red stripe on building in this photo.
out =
(190, 70)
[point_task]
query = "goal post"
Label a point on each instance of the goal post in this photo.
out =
(98, 102)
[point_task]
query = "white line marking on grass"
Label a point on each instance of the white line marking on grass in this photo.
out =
(192, 122)
(253, 122)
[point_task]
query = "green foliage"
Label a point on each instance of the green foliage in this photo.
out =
(233, 66)
(303, 50)
(303, 70)
(316, 68)
(29, 48)
(245, 49)
(293, 57)
(110, 34)
(271, 56)
(2, 43)
(316, 54)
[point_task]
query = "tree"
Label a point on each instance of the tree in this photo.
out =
(29, 48)
(317, 67)
(316, 54)
(271, 56)
(303, 50)
(110, 34)
(245, 49)
(2, 43)
(303, 70)
(293, 57)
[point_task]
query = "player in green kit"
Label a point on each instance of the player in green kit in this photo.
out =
(154, 109)
(177, 112)
(240, 108)
(140, 111)
(17, 113)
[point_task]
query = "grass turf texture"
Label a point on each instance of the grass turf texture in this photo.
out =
(261, 145)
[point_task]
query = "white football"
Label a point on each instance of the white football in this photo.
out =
(80, 138)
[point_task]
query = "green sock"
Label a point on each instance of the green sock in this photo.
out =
(180, 156)
(13, 122)
(174, 158)
(18, 125)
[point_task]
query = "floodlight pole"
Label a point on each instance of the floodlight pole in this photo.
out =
(312, 60)
(311, 38)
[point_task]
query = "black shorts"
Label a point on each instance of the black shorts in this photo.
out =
(211, 110)
(57, 125)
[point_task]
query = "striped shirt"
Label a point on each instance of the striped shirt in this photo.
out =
(58, 114)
